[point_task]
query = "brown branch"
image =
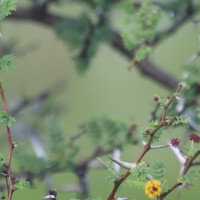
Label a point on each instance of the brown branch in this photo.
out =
(31, 14)
(28, 102)
(146, 67)
(188, 164)
(11, 147)
(84, 54)
(147, 147)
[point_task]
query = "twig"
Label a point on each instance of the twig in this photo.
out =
(11, 147)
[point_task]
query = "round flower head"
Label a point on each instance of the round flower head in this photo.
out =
(175, 142)
(153, 189)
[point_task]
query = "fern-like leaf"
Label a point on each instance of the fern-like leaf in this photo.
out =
(6, 63)
(6, 119)
(6, 6)
(136, 184)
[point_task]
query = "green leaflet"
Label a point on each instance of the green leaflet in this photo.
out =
(21, 184)
(189, 179)
(6, 6)
(136, 184)
(6, 119)
(157, 170)
(6, 63)
(141, 172)
(110, 166)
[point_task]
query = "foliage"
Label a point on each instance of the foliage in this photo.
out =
(6, 119)
(110, 167)
(6, 63)
(156, 170)
(148, 128)
(141, 172)
(21, 184)
(6, 6)
(103, 130)
(85, 45)
(136, 184)
(31, 163)
(189, 179)
(140, 27)
(61, 153)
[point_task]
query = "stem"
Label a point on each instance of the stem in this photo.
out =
(174, 186)
(188, 164)
(117, 184)
(189, 161)
(10, 182)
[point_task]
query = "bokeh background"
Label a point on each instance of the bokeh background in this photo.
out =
(107, 88)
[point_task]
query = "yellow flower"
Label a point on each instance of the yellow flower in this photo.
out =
(153, 189)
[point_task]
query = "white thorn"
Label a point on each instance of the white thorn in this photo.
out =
(180, 105)
(49, 197)
(180, 156)
(116, 156)
(123, 164)
(156, 147)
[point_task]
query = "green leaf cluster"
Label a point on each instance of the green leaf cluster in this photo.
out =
(156, 170)
(83, 37)
(142, 52)
(3, 168)
(106, 132)
(6, 119)
(191, 148)
(181, 120)
(141, 171)
(151, 127)
(61, 154)
(110, 167)
(139, 27)
(6, 6)
(191, 73)
(72, 32)
(189, 179)
(6, 63)
(136, 184)
(29, 162)
(21, 184)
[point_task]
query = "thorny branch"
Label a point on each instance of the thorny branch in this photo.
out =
(147, 147)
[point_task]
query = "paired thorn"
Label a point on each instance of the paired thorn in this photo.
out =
(123, 164)
(156, 147)
(180, 156)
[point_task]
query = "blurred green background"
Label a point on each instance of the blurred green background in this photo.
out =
(108, 87)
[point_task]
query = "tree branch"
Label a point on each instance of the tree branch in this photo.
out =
(146, 67)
